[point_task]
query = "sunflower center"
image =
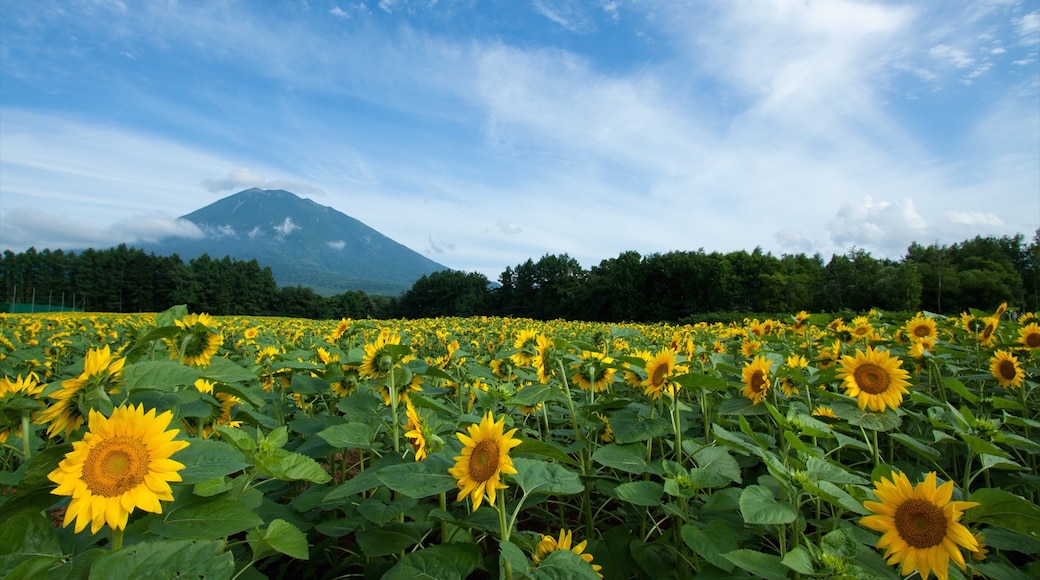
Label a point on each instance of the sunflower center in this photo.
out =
(658, 377)
(922, 331)
(921, 523)
(1007, 370)
(871, 378)
(1033, 340)
(758, 381)
(115, 466)
(483, 462)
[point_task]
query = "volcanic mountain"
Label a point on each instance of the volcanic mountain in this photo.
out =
(303, 243)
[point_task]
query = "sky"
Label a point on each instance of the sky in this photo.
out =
(482, 133)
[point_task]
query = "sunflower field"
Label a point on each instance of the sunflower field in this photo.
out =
(178, 445)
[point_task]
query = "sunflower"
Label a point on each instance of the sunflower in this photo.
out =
(919, 328)
(197, 341)
(526, 343)
(988, 335)
(485, 457)
(919, 525)
(1006, 370)
(543, 359)
(227, 404)
(122, 463)
(379, 359)
(415, 430)
(875, 378)
(101, 370)
(822, 411)
(608, 434)
(659, 369)
(861, 329)
(27, 389)
(549, 544)
(1029, 335)
(756, 379)
(593, 372)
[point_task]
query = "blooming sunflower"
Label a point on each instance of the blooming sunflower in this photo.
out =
(919, 327)
(485, 457)
(988, 335)
(197, 342)
(414, 430)
(822, 411)
(861, 329)
(101, 370)
(875, 378)
(543, 360)
(659, 369)
(1006, 370)
(526, 341)
(11, 390)
(756, 379)
(122, 463)
(593, 372)
(919, 525)
(549, 544)
(379, 359)
(1029, 335)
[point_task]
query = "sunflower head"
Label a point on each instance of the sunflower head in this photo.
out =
(197, 341)
(874, 378)
(919, 328)
(756, 379)
(919, 525)
(549, 544)
(485, 457)
(1029, 335)
(1005, 368)
(593, 372)
(660, 370)
(121, 464)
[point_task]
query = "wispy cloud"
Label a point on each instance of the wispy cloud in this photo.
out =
(242, 178)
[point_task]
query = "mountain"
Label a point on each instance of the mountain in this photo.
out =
(303, 243)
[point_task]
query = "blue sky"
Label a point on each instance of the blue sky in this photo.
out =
(484, 133)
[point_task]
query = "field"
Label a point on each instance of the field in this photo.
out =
(178, 444)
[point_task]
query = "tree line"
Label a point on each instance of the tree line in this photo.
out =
(674, 286)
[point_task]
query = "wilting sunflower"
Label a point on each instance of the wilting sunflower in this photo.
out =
(101, 372)
(549, 544)
(485, 457)
(659, 371)
(875, 378)
(197, 341)
(122, 463)
(919, 525)
(1029, 335)
(756, 379)
(919, 327)
(1006, 370)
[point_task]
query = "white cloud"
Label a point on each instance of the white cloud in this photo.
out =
(439, 246)
(951, 56)
(974, 219)
(883, 226)
(244, 178)
(338, 12)
(286, 227)
(508, 228)
(256, 231)
(336, 244)
(25, 227)
(1028, 27)
(569, 14)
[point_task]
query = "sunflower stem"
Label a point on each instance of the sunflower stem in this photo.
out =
(117, 539)
(444, 523)
(503, 525)
(26, 447)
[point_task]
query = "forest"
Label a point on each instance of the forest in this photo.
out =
(676, 286)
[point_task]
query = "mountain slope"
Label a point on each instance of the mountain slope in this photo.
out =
(303, 243)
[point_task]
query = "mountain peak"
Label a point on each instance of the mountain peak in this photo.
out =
(303, 243)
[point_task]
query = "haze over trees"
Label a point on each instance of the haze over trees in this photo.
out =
(978, 273)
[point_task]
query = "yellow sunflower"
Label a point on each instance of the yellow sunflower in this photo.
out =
(861, 329)
(659, 371)
(197, 342)
(485, 457)
(756, 379)
(415, 430)
(919, 525)
(1006, 370)
(122, 463)
(526, 341)
(549, 544)
(543, 359)
(822, 411)
(378, 359)
(988, 335)
(100, 370)
(10, 390)
(1029, 335)
(875, 378)
(593, 372)
(919, 327)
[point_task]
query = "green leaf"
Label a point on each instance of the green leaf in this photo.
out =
(799, 560)
(289, 466)
(702, 381)
(205, 518)
(955, 385)
(543, 449)
(563, 564)
(630, 458)
(161, 375)
(308, 385)
(536, 476)
(644, 493)
(420, 478)
(630, 427)
(389, 539)
(717, 460)
(280, 536)
(1003, 509)
(166, 559)
(171, 315)
(531, 395)
(925, 451)
(885, 421)
(27, 534)
(238, 438)
(712, 542)
(350, 436)
(208, 459)
(982, 447)
(508, 552)
(758, 506)
(758, 564)
(824, 470)
(222, 370)
(443, 561)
